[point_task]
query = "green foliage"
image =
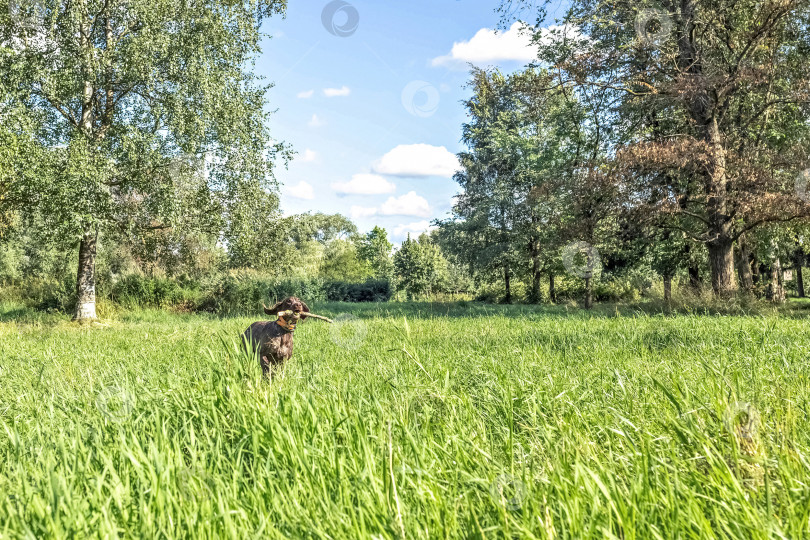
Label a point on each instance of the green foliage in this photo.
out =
(244, 292)
(342, 262)
(375, 249)
(373, 290)
(317, 227)
(140, 115)
(224, 294)
(138, 291)
(420, 267)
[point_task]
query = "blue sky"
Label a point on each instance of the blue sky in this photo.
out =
(375, 114)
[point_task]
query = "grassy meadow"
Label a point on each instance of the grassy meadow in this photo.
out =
(408, 421)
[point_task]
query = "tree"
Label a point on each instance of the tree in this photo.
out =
(534, 178)
(420, 267)
(375, 249)
(491, 218)
(711, 99)
(318, 227)
(341, 262)
(120, 92)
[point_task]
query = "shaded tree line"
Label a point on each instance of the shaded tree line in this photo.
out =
(671, 137)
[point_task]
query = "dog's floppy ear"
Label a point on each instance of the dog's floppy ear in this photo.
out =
(273, 310)
(304, 310)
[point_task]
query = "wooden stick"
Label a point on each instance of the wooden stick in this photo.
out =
(303, 314)
(308, 314)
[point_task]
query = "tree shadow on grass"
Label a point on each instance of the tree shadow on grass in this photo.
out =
(651, 308)
(793, 309)
(18, 313)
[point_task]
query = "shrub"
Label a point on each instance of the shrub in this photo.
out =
(53, 295)
(243, 292)
(372, 290)
(147, 291)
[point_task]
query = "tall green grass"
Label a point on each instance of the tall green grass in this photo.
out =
(415, 421)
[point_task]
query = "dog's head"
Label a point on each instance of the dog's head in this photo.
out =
(294, 304)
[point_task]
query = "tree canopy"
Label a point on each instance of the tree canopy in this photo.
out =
(149, 115)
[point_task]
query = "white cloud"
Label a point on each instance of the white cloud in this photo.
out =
(306, 94)
(316, 122)
(418, 160)
(308, 155)
(365, 184)
(416, 228)
(335, 92)
(302, 191)
(409, 204)
(358, 212)
(490, 46)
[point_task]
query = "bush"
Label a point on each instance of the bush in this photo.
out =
(40, 294)
(53, 295)
(373, 290)
(244, 292)
(235, 292)
(145, 291)
(614, 290)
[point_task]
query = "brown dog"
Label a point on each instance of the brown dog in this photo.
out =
(273, 340)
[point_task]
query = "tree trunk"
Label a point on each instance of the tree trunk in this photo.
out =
(798, 259)
(535, 252)
(86, 277)
(756, 271)
(776, 288)
(705, 108)
(667, 288)
(744, 265)
(507, 277)
(721, 260)
(588, 293)
(694, 278)
(721, 252)
(552, 290)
